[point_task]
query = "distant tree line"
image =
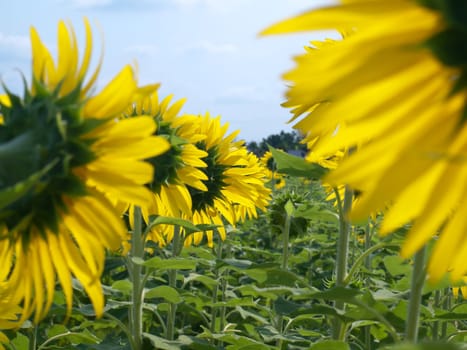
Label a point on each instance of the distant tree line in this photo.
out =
(286, 141)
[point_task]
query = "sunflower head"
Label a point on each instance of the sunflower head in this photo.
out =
(180, 166)
(277, 213)
(214, 172)
(276, 179)
(42, 139)
(217, 160)
(235, 180)
(448, 44)
(62, 151)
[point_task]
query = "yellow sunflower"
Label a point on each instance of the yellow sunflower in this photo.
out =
(10, 311)
(70, 154)
(235, 180)
(177, 168)
(396, 86)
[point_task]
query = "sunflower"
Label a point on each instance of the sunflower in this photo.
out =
(177, 168)
(396, 87)
(276, 179)
(235, 180)
(70, 154)
(10, 311)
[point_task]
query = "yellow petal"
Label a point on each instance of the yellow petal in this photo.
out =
(114, 98)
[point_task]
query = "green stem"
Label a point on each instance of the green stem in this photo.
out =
(338, 329)
(33, 338)
(176, 249)
(436, 323)
(363, 258)
(136, 307)
(370, 227)
(285, 261)
(215, 290)
(286, 236)
(418, 280)
(123, 327)
(344, 232)
(55, 337)
(446, 307)
(456, 334)
(368, 235)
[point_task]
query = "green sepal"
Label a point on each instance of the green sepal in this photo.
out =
(454, 11)
(450, 46)
(13, 193)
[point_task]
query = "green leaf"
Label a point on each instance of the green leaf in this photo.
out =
(330, 345)
(84, 337)
(168, 293)
(296, 166)
(168, 264)
(238, 263)
(234, 302)
(20, 342)
(338, 293)
(285, 307)
(205, 280)
(397, 265)
(165, 220)
(279, 277)
(315, 212)
(423, 346)
(161, 343)
(123, 286)
(451, 316)
(56, 329)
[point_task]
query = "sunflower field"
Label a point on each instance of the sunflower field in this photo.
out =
(127, 223)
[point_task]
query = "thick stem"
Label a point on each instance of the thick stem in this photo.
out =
(136, 307)
(418, 280)
(338, 329)
(214, 299)
(368, 235)
(33, 338)
(446, 307)
(176, 249)
(285, 261)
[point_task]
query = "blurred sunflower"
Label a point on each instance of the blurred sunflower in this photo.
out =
(10, 311)
(275, 178)
(235, 180)
(396, 86)
(70, 154)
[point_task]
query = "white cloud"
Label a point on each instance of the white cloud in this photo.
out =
(14, 45)
(211, 48)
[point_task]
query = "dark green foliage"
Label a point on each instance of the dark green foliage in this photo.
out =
(237, 296)
(286, 141)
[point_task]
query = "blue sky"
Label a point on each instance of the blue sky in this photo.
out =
(205, 50)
